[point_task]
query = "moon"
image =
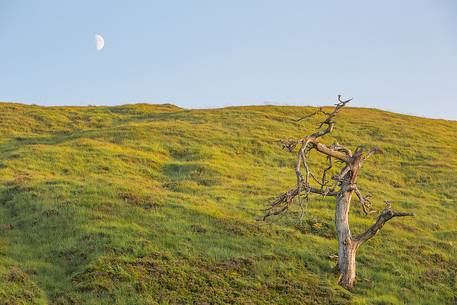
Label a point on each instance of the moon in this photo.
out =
(99, 42)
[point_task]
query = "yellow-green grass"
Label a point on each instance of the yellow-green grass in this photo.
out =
(154, 204)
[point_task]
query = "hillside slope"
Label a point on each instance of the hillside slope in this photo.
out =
(153, 204)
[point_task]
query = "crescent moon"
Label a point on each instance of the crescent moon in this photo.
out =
(99, 42)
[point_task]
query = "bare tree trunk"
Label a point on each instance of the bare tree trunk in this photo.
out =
(347, 247)
(347, 269)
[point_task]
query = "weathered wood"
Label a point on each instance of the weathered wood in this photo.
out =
(345, 184)
(328, 151)
(386, 215)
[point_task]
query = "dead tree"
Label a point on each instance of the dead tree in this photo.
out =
(342, 186)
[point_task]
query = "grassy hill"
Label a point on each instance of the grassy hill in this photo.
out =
(154, 204)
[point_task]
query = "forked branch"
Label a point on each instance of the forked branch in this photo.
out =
(282, 203)
(338, 152)
(365, 201)
(386, 215)
(329, 120)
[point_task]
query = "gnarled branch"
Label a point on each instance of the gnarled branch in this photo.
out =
(322, 148)
(365, 201)
(282, 203)
(329, 120)
(386, 215)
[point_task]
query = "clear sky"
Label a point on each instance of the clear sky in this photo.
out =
(394, 55)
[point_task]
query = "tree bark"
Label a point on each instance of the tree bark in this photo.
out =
(347, 247)
(347, 265)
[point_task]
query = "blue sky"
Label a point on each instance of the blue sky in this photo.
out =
(394, 55)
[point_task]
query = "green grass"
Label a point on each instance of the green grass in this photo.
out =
(153, 204)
